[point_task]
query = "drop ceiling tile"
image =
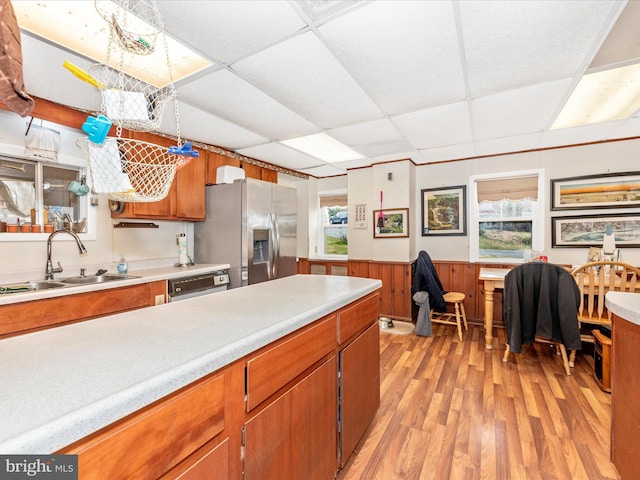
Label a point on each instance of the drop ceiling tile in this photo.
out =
(405, 54)
(360, 162)
(513, 44)
(577, 135)
(316, 10)
(226, 30)
(436, 127)
(228, 96)
(201, 126)
(279, 154)
(381, 130)
(303, 76)
(451, 152)
(45, 77)
(626, 129)
(325, 171)
(399, 155)
(518, 112)
(382, 148)
(506, 145)
(622, 42)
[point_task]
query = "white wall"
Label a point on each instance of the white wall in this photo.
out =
(302, 187)
(27, 258)
(395, 181)
(559, 163)
(363, 186)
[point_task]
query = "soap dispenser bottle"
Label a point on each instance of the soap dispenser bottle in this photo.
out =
(122, 266)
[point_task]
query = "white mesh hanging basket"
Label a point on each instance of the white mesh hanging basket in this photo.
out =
(129, 170)
(134, 25)
(131, 103)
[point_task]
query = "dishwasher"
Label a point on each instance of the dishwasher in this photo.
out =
(196, 285)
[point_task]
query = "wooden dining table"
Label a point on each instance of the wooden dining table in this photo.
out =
(493, 278)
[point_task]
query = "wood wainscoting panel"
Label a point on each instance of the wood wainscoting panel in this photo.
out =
(395, 295)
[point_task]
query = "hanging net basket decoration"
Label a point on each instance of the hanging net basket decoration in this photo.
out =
(134, 25)
(131, 103)
(125, 169)
(129, 170)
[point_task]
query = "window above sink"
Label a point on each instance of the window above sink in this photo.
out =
(36, 193)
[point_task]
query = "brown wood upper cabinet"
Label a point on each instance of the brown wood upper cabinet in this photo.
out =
(215, 160)
(186, 198)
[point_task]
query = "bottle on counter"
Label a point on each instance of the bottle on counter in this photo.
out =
(122, 266)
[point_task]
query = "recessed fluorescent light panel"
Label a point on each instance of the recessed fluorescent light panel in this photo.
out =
(324, 147)
(602, 96)
(79, 27)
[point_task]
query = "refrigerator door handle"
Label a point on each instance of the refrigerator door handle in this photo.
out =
(272, 246)
(276, 245)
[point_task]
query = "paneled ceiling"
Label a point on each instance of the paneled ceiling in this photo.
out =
(392, 79)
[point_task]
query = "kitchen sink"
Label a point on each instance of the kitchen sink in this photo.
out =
(30, 286)
(91, 279)
(36, 285)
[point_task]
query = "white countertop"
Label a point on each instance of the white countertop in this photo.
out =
(625, 305)
(145, 275)
(497, 274)
(61, 384)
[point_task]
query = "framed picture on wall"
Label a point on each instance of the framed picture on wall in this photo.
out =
(391, 223)
(589, 230)
(444, 211)
(609, 190)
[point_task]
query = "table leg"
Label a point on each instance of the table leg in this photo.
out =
(489, 288)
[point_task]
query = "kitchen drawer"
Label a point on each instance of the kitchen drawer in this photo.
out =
(149, 442)
(210, 464)
(358, 316)
(272, 369)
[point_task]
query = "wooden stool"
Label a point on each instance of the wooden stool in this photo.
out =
(457, 299)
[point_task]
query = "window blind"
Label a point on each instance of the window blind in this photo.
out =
(510, 188)
(333, 200)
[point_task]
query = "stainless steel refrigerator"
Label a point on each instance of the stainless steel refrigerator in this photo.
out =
(251, 225)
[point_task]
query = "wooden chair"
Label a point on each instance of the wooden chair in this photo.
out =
(458, 317)
(595, 279)
(533, 293)
(560, 350)
(425, 278)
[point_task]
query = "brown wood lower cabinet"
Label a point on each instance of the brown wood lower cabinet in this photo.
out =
(149, 442)
(295, 435)
(359, 388)
(23, 317)
(273, 414)
(625, 390)
(209, 463)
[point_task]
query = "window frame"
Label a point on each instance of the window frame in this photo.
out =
(83, 201)
(537, 219)
(322, 226)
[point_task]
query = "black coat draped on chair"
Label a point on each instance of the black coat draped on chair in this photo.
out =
(541, 299)
(425, 279)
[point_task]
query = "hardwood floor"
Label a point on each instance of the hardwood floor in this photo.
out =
(453, 410)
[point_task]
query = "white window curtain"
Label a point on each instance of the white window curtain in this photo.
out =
(517, 188)
(512, 186)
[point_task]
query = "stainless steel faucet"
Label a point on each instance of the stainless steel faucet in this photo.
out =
(50, 270)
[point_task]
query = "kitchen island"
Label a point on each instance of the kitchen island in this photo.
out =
(60, 385)
(625, 420)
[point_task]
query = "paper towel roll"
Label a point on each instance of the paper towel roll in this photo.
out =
(183, 258)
